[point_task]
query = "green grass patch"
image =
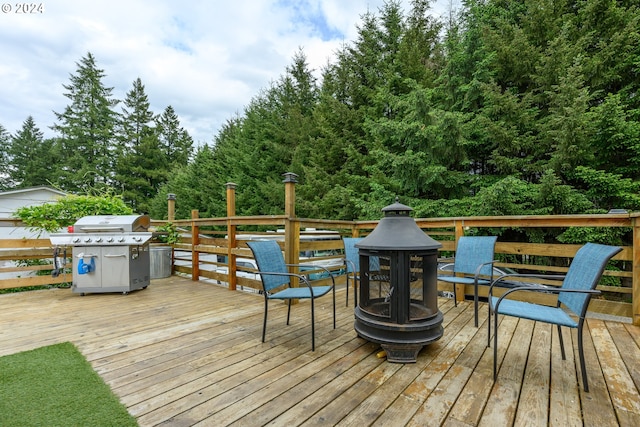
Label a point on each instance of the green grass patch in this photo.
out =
(56, 386)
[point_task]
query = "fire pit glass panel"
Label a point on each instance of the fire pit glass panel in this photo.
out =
(375, 286)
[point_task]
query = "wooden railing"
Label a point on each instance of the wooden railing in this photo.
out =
(208, 241)
(206, 252)
(211, 247)
(28, 262)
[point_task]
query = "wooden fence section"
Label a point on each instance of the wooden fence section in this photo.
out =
(217, 258)
(15, 269)
(210, 248)
(219, 243)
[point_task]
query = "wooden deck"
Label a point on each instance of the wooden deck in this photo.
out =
(183, 353)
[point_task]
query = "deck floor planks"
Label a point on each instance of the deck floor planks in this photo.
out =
(189, 353)
(471, 403)
(564, 399)
(503, 400)
(628, 349)
(211, 380)
(533, 405)
(192, 345)
(245, 382)
(597, 407)
(409, 377)
(335, 410)
(284, 401)
(332, 392)
(294, 374)
(430, 396)
(440, 403)
(622, 390)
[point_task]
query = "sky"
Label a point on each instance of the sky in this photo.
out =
(207, 59)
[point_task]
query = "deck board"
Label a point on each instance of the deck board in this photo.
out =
(183, 353)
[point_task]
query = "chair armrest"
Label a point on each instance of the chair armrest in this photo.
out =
(279, 273)
(317, 267)
(535, 288)
(535, 276)
(347, 263)
(477, 273)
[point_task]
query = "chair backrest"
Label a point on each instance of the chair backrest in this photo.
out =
(269, 258)
(352, 255)
(584, 273)
(472, 251)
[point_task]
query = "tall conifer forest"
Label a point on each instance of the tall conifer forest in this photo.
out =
(505, 107)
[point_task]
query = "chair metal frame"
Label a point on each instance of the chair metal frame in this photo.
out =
(595, 257)
(268, 251)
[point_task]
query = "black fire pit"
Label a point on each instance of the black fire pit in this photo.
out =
(398, 306)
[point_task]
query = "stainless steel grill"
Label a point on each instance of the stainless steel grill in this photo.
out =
(110, 253)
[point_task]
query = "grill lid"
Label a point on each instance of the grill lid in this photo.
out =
(112, 224)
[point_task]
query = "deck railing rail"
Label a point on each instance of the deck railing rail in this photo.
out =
(211, 248)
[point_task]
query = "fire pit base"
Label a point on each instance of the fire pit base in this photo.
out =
(402, 353)
(401, 342)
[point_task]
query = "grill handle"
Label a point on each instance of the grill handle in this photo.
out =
(83, 255)
(115, 255)
(99, 229)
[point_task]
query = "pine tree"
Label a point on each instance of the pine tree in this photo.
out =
(5, 139)
(86, 129)
(33, 160)
(175, 141)
(141, 166)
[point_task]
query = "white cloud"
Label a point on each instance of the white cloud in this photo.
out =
(207, 59)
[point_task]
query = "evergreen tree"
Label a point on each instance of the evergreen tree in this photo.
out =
(136, 117)
(33, 161)
(145, 175)
(175, 141)
(141, 167)
(522, 107)
(192, 191)
(5, 140)
(277, 129)
(86, 130)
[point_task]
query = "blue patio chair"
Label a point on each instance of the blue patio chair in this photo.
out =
(573, 299)
(276, 282)
(352, 262)
(474, 258)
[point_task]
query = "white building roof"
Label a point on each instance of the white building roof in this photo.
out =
(12, 200)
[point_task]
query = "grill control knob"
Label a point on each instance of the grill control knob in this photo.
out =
(87, 239)
(110, 239)
(76, 240)
(99, 239)
(120, 239)
(137, 239)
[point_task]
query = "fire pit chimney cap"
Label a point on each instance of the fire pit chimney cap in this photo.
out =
(398, 231)
(397, 208)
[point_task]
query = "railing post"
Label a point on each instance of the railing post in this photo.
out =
(291, 224)
(459, 232)
(171, 207)
(231, 233)
(635, 265)
(195, 240)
